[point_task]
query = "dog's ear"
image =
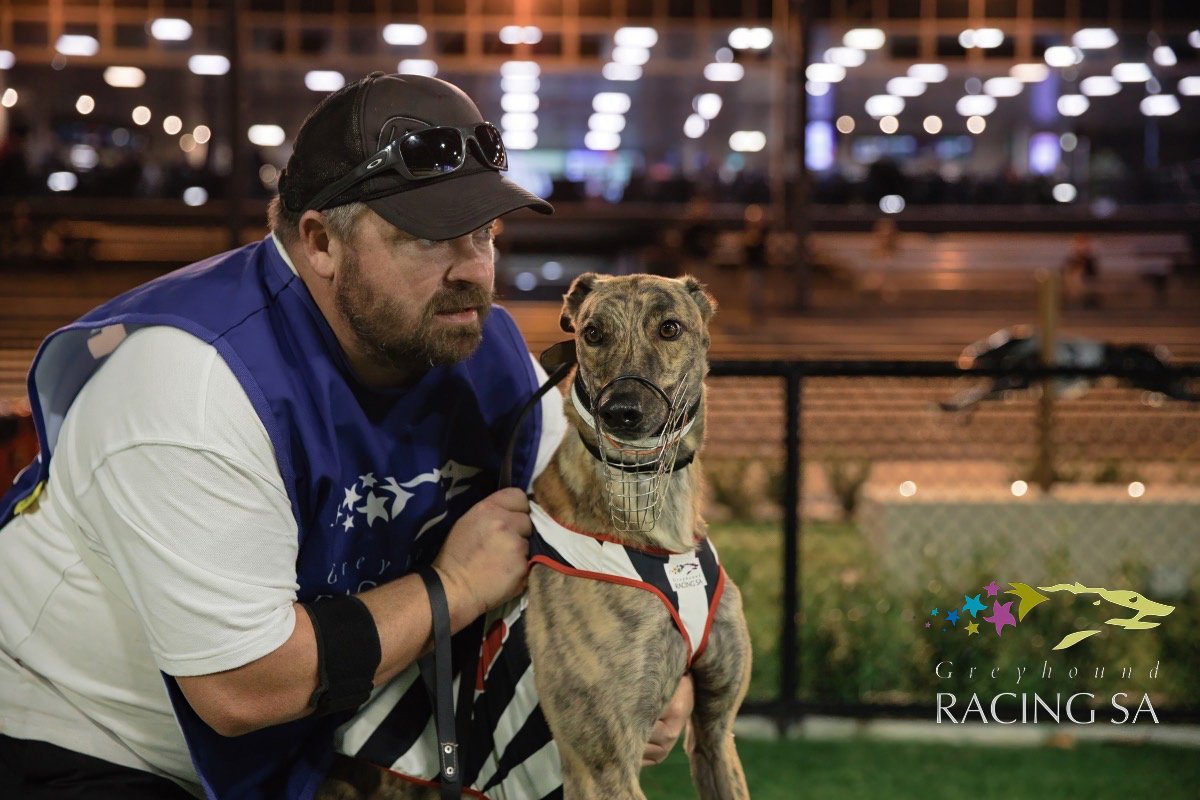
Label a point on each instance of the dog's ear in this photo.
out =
(699, 293)
(580, 288)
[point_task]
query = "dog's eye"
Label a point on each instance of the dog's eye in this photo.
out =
(670, 329)
(592, 335)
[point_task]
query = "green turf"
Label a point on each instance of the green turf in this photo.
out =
(862, 770)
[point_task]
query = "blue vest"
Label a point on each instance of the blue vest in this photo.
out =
(375, 478)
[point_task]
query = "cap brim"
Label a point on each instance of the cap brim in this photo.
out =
(452, 208)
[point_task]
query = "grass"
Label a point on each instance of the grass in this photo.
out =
(805, 770)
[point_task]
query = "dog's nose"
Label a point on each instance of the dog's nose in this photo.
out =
(621, 413)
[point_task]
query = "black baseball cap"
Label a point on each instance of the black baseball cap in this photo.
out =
(360, 119)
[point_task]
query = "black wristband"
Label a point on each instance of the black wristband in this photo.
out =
(348, 653)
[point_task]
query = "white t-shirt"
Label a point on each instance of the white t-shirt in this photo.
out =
(164, 468)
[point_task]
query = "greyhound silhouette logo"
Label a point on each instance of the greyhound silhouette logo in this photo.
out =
(1026, 598)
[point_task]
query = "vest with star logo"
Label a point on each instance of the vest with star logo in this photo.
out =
(375, 478)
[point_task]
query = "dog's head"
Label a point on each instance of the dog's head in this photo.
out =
(645, 327)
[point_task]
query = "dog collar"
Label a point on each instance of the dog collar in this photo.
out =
(582, 402)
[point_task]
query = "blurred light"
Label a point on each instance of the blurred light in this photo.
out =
(268, 174)
(1136, 489)
(510, 69)
(621, 72)
(1064, 192)
(74, 45)
(1068, 142)
(975, 105)
(932, 124)
(124, 77)
(1063, 56)
(611, 103)
(552, 270)
(906, 87)
(973, 85)
(846, 56)
(519, 122)
(1164, 56)
(724, 72)
(1153, 86)
(966, 39)
(141, 115)
(825, 73)
(171, 29)
(751, 38)
(1194, 39)
(1044, 153)
(10, 97)
(85, 104)
(404, 34)
(1131, 72)
(62, 181)
(1160, 105)
(635, 37)
(747, 141)
(598, 140)
(172, 125)
(120, 137)
(517, 34)
(606, 123)
(636, 56)
(520, 84)
(1002, 87)
(864, 38)
(1019, 488)
(524, 103)
(929, 73)
(883, 105)
(266, 135)
(892, 204)
(1072, 105)
(520, 140)
(976, 125)
(707, 105)
(988, 38)
(816, 88)
(323, 80)
(7, 59)
(1094, 38)
(525, 281)
(1189, 87)
(694, 126)
(201, 134)
(889, 124)
(208, 64)
(187, 143)
(195, 196)
(908, 489)
(723, 55)
(417, 66)
(1099, 86)
(1029, 73)
(845, 124)
(84, 157)
(818, 145)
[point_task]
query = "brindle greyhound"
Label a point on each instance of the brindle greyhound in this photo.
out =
(607, 656)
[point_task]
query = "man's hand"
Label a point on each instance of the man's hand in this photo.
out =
(485, 558)
(666, 731)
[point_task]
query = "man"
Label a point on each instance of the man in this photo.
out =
(245, 462)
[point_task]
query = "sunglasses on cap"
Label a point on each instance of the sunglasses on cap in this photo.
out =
(423, 154)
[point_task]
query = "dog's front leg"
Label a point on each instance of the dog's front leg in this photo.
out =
(606, 660)
(721, 675)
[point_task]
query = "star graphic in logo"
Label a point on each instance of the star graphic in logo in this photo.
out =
(1001, 616)
(352, 497)
(375, 509)
(933, 613)
(973, 605)
(928, 625)
(952, 618)
(348, 522)
(972, 629)
(992, 589)
(368, 480)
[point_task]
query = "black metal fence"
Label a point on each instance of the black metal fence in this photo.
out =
(897, 489)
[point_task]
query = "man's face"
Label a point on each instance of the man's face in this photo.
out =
(414, 303)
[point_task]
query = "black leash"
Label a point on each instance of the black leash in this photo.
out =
(436, 667)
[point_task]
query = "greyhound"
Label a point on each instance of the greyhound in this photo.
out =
(625, 594)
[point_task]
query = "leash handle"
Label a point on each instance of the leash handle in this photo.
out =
(449, 770)
(557, 360)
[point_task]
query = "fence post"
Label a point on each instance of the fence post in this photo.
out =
(789, 645)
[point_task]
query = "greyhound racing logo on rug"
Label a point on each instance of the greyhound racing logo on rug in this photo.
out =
(971, 614)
